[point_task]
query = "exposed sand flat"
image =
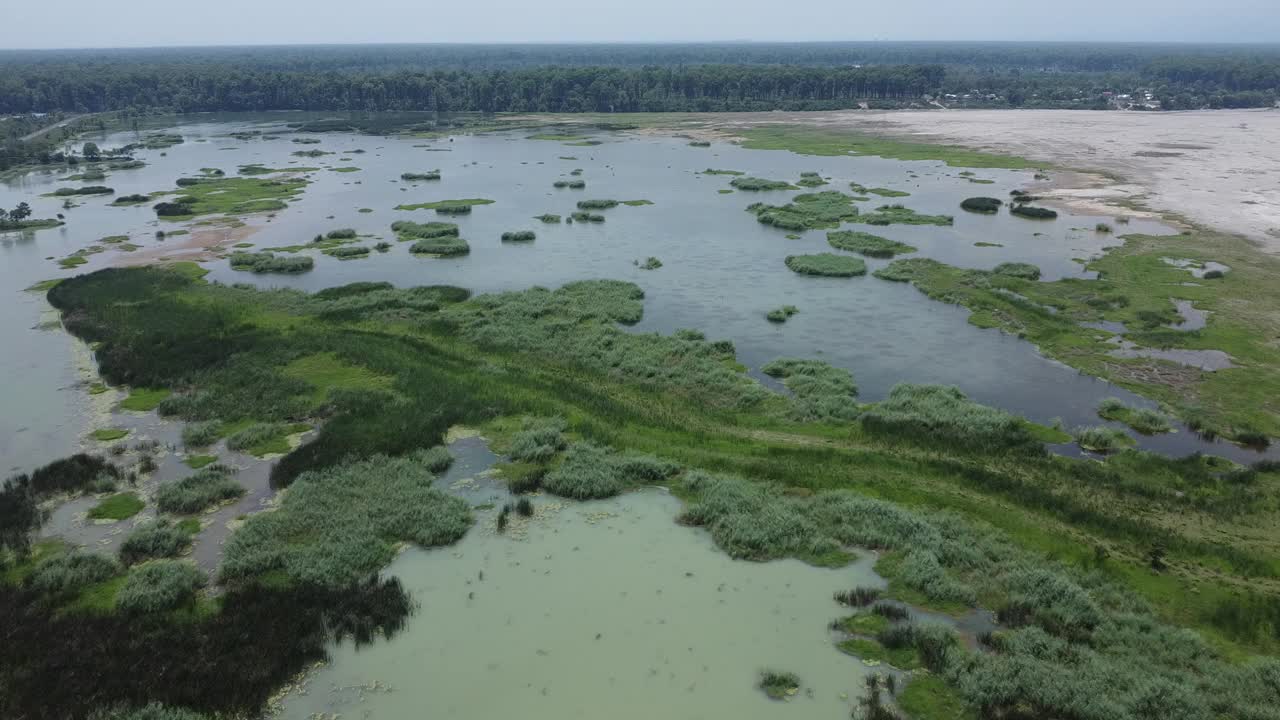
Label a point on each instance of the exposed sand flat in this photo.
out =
(1220, 168)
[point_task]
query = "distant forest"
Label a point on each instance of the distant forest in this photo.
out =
(639, 77)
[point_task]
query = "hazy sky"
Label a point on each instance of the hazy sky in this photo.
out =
(107, 23)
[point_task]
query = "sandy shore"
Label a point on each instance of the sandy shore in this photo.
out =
(1219, 168)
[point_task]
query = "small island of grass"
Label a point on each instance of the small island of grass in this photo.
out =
(867, 244)
(448, 207)
(826, 265)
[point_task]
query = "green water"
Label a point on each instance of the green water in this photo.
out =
(593, 610)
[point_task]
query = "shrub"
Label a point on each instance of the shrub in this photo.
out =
(1102, 228)
(583, 216)
(348, 252)
(519, 236)
(341, 234)
(208, 486)
(1026, 271)
(152, 711)
(981, 204)
(70, 573)
(1213, 275)
(436, 460)
(154, 539)
(1032, 212)
(596, 204)
(159, 585)
(827, 265)
(266, 262)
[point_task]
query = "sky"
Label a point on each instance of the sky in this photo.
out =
(143, 23)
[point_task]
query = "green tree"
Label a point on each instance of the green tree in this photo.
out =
(91, 152)
(20, 213)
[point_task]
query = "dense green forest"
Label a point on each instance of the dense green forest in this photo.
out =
(638, 78)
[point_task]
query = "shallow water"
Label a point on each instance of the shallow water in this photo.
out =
(599, 609)
(722, 270)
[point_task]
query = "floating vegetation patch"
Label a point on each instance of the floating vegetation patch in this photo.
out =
(257, 169)
(429, 175)
(267, 262)
(650, 263)
(637, 203)
(232, 196)
(759, 184)
(584, 216)
(810, 179)
(778, 685)
(597, 204)
(987, 205)
(519, 236)
(134, 199)
(86, 190)
(867, 244)
(713, 171)
(348, 252)
(886, 192)
(781, 314)
(549, 218)
(443, 246)
(448, 207)
(901, 215)
(407, 230)
(807, 211)
(827, 265)
(571, 184)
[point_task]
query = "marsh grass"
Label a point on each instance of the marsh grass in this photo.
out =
(901, 215)
(823, 392)
(159, 585)
(826, 265)
(267, 262)
(597, 204)
(549, 218)
(570, 184)
(342, 524)
(584, 216)
(407, 230)
(826, 209)
(68, 573)
(1024, 271)
(201, 434)
(444, 246)
(591, 472)
(650, 263)
(1102, 439)
(195, 493)
(519, 236)
(867, 244)
(413, 177)
(117, 507)
(778, 685)
(448, 207)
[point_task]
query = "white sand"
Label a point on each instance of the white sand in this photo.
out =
(1219, 168)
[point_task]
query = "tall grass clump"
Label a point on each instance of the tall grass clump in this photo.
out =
(416, 176)
(341, 234)
(590, 472)
(159, 585)
(982, 204)
(1143, 420)
(584, 216)
(867, 244)
(570, 184)
(933, 413)
(348, 252)
(436, 459)
(807, 211)
(548, 218)
(597, 204)
(266, 262)
(69, 573)
(822, 392)
(208, 486)
(409, 230)
(152, 540)
(778, 685)
(519, 236)
(826, 265)
(198, 434)
(1102, 439)
(341, 524)
(446, 246)
(781, 314)
(260, 438)
(151, 711)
